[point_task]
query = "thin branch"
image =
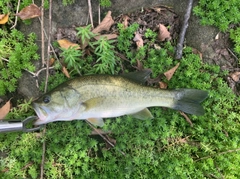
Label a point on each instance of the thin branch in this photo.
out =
(187, 118)
(15, 23)
(49, 44)
(103, 137)
(221, 153)
(236, 58)
(179, 49)
(52, 49)
(35, 75)
(46, 82)
(90, 12)
(99, 13)
(42, 33)
(43, 153)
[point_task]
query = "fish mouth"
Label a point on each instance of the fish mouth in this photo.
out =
(41, 113)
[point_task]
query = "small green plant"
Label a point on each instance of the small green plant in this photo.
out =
(22, 110)
(235, 36)
(85, 33)
(125, 38)
(67, 2)
(106, 59)
(16, 53)
(105, 3)
(151, 35)
(73, 58)
(219, 13)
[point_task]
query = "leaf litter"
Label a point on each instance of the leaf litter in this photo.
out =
(29, 12)
(4, 110)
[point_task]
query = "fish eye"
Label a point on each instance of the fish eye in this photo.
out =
(46, 99)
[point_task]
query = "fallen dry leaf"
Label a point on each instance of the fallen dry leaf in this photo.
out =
(5, 110)
(29, 12)
(163, 33)
(65, 71)
(217, 36)
(4, 18)
(170, 72)
(64, 43)
(107, 36)
(156, 46)
(163, 85)
(51, 61)
(235, 76)
(138, 39)
(125, 21)
(106, 23)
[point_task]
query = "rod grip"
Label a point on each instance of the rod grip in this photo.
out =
(11, 126)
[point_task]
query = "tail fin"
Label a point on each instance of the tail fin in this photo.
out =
(188, 101)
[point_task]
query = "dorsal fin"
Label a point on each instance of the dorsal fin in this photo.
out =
(138, 76)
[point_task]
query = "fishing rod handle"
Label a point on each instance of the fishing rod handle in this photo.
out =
(11, 126)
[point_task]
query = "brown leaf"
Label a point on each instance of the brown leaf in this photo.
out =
(4, 18)
(170, 72)
(51, 61)
(163, 33)
(106, 23)
(5, 110)
(29, 12)
(107, 36)
(65, 71)
(138, 39)
(163, 85)
(64, 43)
(235, 76)
(125, 21)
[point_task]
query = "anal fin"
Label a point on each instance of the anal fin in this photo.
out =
(96, 121)
(143, 114)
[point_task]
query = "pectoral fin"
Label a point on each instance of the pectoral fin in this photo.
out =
(96, 121)
(143, 114)
(93, 102)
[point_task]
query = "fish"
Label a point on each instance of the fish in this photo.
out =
(95, 97)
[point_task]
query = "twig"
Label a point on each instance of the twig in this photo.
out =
(42, 33)
(90, 12)
(103, 137)
(35, 75)
(49, 42)
(46, 82)
(15, 23)
(179, 49)
(187, 118)
(221, 153)
(100, 131)
(26, 166)
(53, 51)
(43, 153)
(236, 58)
(99, 13)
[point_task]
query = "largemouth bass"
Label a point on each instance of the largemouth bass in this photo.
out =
(95, 97)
